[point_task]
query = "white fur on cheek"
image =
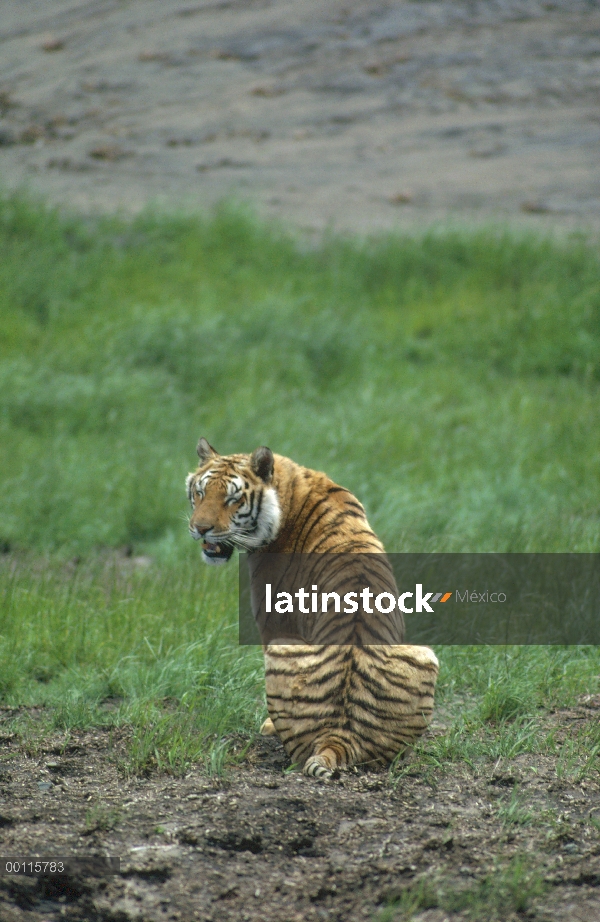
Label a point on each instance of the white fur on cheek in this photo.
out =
(188, 485)
(269, 520)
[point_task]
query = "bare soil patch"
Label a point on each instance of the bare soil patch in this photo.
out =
(265, 843)
(360, 115)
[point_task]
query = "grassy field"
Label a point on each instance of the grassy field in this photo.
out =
(450, 380)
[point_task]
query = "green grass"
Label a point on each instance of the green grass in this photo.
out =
(451, 380)
(498, 699)
(500, 893)
(156, 650)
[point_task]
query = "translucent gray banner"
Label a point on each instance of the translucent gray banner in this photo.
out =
(419, 598)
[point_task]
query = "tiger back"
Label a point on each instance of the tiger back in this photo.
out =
(332, 704)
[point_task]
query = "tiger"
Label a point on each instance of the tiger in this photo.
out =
(333, 705)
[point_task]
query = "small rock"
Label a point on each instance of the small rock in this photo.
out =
(109, 152)
(153, 56)
(401, 198)
(181, 142)
(223, 162)
(53, 44)
(433, 844)
(31, 134)
(228, 892)
(222, 54)
(65, 163)
(338, 861)
(45, 786)
(267, 91)
(375, 70)
(504, 780)
(535, 207)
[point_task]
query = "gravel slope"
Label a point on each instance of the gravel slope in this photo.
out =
(322, 112)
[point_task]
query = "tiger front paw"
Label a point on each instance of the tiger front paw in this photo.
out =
(268, 728)
(321, 767)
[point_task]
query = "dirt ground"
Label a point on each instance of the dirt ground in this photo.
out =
(355, 115)
(261, 843)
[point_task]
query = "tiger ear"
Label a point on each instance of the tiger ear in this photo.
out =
(205, 451)
(262, 463)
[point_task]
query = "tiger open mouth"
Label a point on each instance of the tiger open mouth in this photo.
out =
(220, 551)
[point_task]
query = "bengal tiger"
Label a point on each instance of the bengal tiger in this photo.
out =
(337, 705)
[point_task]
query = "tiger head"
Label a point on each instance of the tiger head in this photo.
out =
(234, 503)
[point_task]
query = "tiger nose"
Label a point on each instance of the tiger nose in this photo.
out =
(200, 530)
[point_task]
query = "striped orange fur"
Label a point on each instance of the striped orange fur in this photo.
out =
(333, 706)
